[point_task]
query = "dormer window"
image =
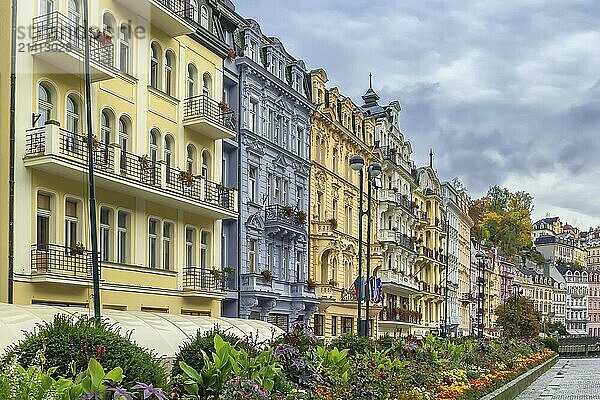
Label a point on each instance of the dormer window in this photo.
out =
(252, 50)
(204, 17)
(281, 71)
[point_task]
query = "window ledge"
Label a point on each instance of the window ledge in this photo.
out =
(163, 95)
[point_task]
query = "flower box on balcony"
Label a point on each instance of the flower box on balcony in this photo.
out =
(311, 284)
(186, 178)
(301, 217)
(267, 275)
(333, 223)
(78, 249)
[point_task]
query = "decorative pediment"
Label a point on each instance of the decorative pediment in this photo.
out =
(256, 222)
(280, 162)
(320, 179)
(253, 145)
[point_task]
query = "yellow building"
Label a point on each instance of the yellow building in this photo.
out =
(431, 261)
(157, 72)
(340, 130)
(465, 296)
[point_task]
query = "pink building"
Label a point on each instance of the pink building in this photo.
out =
(507, 275)
(593, 324)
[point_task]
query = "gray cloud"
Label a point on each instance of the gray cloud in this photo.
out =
(505, 92)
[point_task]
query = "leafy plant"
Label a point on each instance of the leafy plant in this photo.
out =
(68, 344)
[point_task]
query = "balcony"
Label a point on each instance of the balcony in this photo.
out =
(285, 220)
(62, 153)
(456, 320)
(397, 282)
(466, 298)
(202, 282)
(406, 242)
(400, 316)
(422, 218)
(209, 117)
(274, 288)
(61, 264)
(390, 154)
(60, 42)
(387, 236)
(170, 16)
(433, 255)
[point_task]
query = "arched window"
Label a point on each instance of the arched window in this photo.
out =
(169, 72)
(46, 6)
(190, 162)
(204, 250)
(207, 85)
(73, 110)
(206, 162)
(106, 126)
(155, 53)
(45, 104)
(204, 17)
(153, 144)
(168, 151)
(193, 6)
(325, 268)
(73, 11)
(190, 247)
(192, 76)
(123, 141)
(108, 25)
(124, 48)
(334, 270)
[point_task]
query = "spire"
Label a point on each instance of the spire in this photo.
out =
(370, 97)
(431, 158)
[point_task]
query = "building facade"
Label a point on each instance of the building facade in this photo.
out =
(593, 325)
(562, 248)
(397, 222)
(157, 73)
(507, 278)
(465, 294)
(274, 180)
(592, 261)
(453, 217)
(340, 131)
(576, 311)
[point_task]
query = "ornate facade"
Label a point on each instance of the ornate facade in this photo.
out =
(340, 130)
(274, 180)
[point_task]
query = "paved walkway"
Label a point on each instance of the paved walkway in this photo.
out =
(569, 379)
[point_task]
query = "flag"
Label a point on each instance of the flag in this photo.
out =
(359, 284)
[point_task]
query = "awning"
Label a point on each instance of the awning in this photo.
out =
(163, 333)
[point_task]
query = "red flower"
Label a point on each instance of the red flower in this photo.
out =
(101, 350)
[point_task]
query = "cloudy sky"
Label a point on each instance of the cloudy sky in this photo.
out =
(506, 92)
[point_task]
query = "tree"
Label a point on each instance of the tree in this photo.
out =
(557, 327)
(518, 318)
(503, 220)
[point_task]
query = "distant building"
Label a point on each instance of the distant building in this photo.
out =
(576, 311)
(561, 248)
(594, 304)
(549, 226)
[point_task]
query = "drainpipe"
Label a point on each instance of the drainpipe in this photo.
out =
(11, 179)
(239, 179)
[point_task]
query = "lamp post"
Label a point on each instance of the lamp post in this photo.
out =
(357, 163)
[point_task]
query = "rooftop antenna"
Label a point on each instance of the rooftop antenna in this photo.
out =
(431, 158)
(370, 80)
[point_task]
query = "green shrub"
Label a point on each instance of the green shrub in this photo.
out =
(355, 344)
(551, 343)
(68, 344)
(190, 352)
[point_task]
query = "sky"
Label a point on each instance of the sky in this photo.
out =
(505, 92)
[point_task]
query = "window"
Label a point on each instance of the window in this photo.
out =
(319, 322)
(285, 266)
(124, 48)
(190, 162)
(46, 6)
(270, 187)
(270, 256)
(45, 105)
(73, 12)
(284, 195)
(153, 145)
(299, 266)
(153, 243)
(168, 154)
(206, 171)
(72, 144)
(71, 223)
(44, 215)
(192, 75)
(193, 5)
(299, 197)
(277, 193)
(270, 124)
(167, 246)
(105, 127)
(123, 139)
(347, 325)
(252, 256)
(253, 50)
(154, 65)
(204, 17)
(335, 160)
(204, 246)
(207, 85)
(334, 209)
(333, 325)
(190, 246)
(108, 25)
(319, 206)
(348, 219)
(123, 236)
(252, 183)
(105, 233)
(253, 113)
(299, 141)
(277, 136)
(169, 73)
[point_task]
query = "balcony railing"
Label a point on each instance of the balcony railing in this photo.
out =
(202, 106)
(56, 32)
(349, 295)
(182, 9)
(433, 254)
(53, 259)
(285, 215)
(72, 147)
(202, 279)
(405, 241)
(400, 315)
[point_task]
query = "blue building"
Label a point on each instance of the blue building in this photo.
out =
(274, 171)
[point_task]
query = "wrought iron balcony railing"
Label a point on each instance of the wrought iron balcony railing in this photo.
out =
(57, 32)
(405, 241)
(286, 215)
(61, 260)
(195, 278)
(72, 147)
(202, 106)
(400, 315)
(180, 8)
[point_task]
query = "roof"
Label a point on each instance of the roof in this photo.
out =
(164, 333)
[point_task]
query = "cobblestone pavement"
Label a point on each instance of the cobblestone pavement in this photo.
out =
(569, 379)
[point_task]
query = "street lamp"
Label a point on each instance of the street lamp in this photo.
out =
(357, 163)
(480, 293)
